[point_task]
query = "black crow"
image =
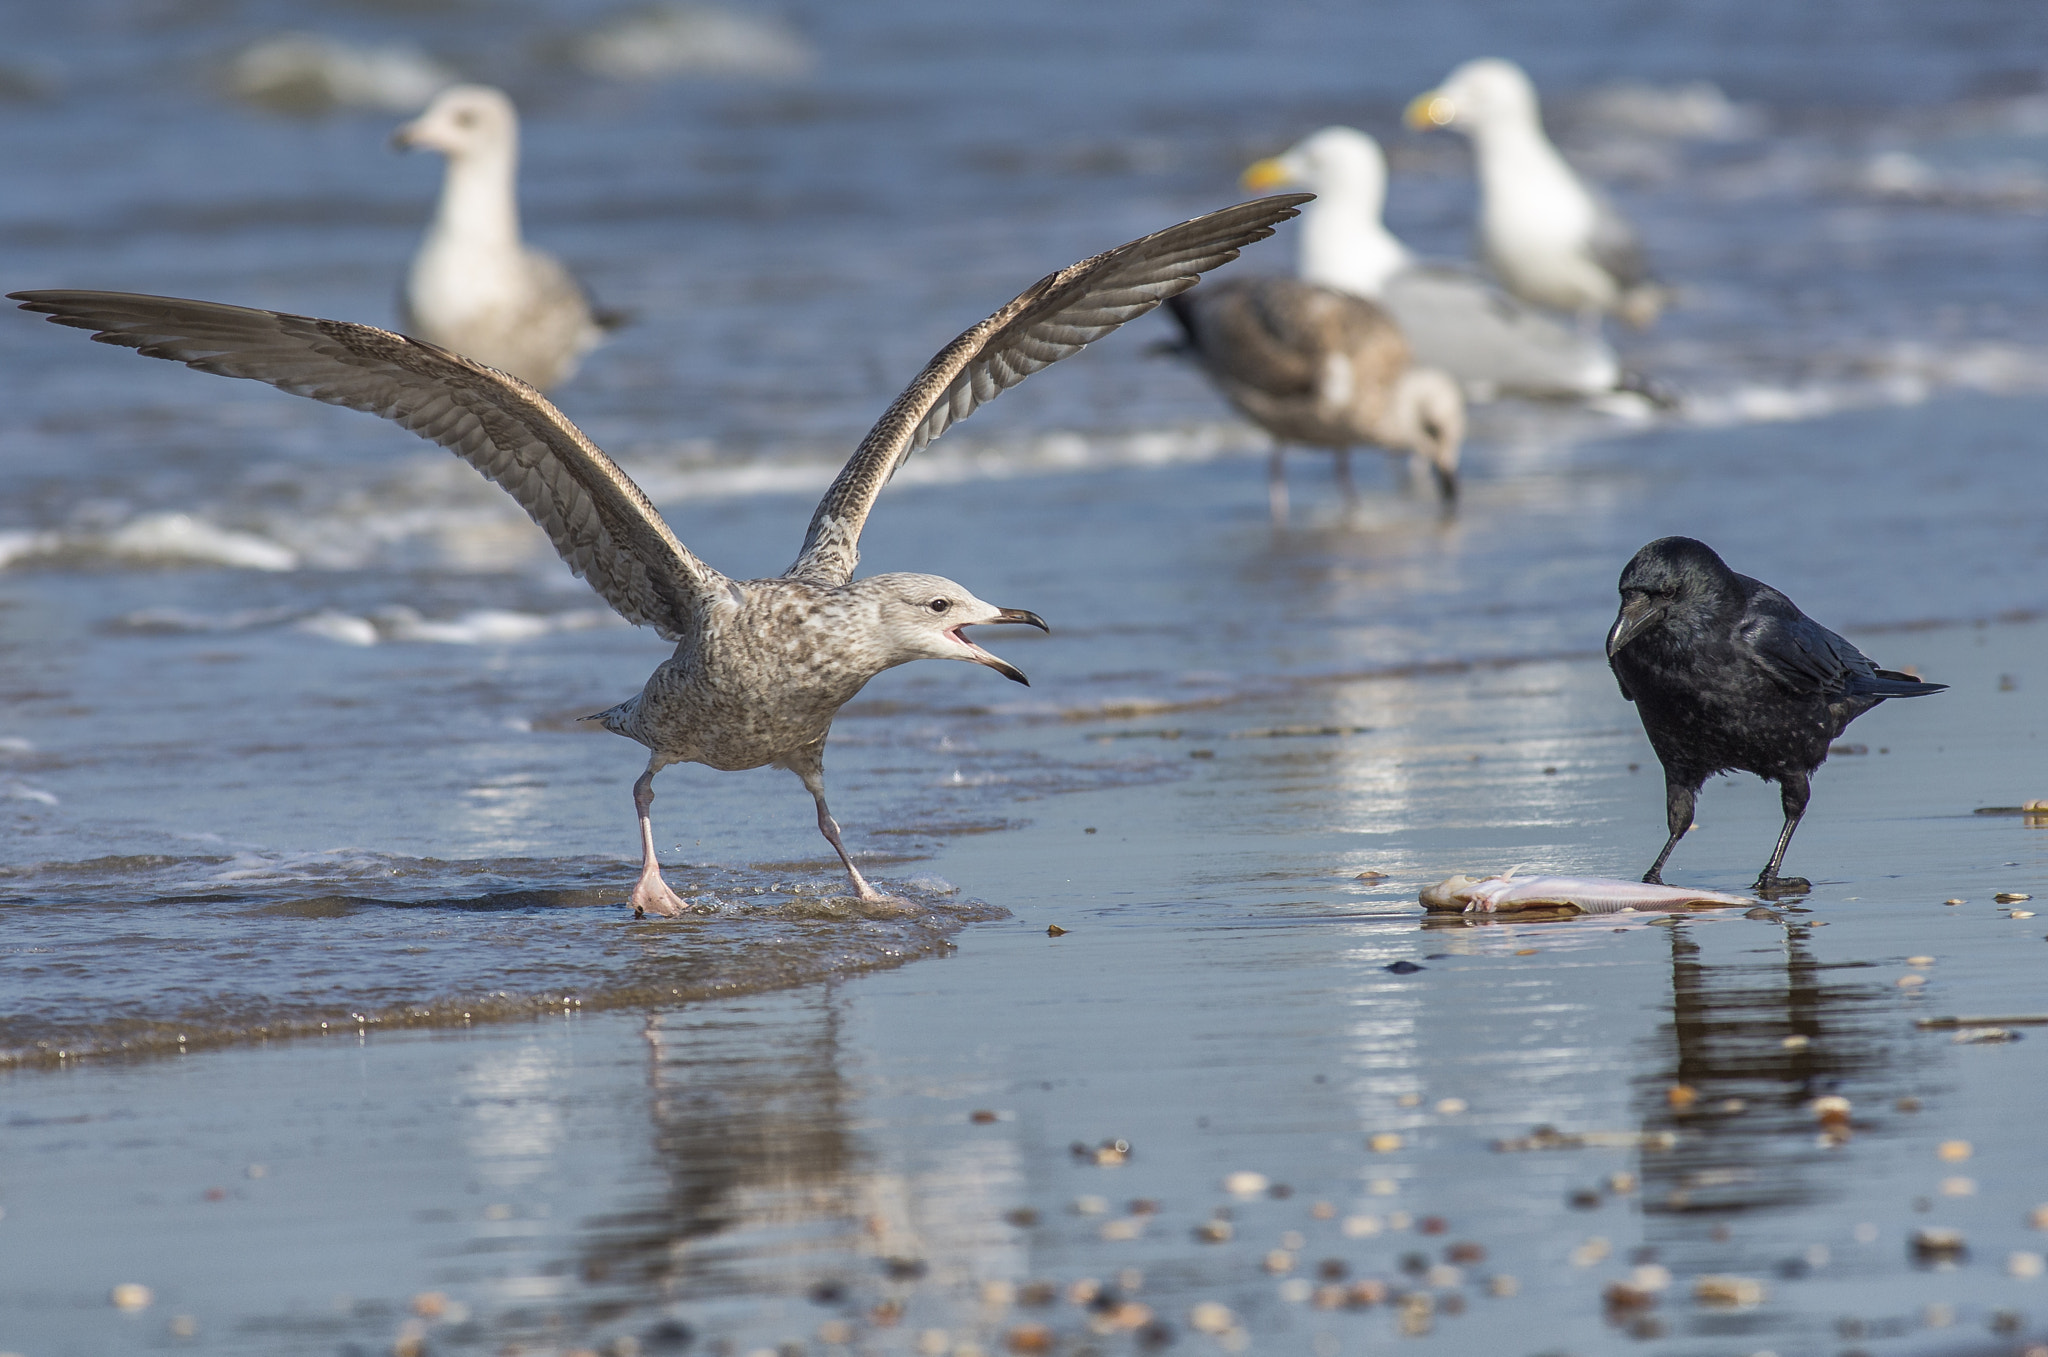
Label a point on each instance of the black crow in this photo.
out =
(1728, 674)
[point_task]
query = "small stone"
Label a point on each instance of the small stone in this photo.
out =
(1502, 1284)
(1465, 1253)
(1832, 1110)
(2025, 1263)
(1621, 1182)
(1295, 1290)
(1938, 1243)
(1907, 1104)
(430, 1304)
(1213, 1232)
(1083, 1290)
(1023, 1217)
(1117, 1231)
(835, 1331)
(2039, 1218)
(1450, 1107)
(1029, 1338)
(1959, 1187)
(1591, 1253)
(1796, 1042)
(1091, 1206)
(1383, 1142)
(1211, 1317)
(1323, 1211)
(934, 1343)
(1364, 1227)
(131, 1296)
(1728, 1290)
(2022, 914)
(2011, 898)
(1245, 1183)
(1953, 1151)
(1279, 1262)
(981, 1116)
(1681, 1095)
(1953, 901)
(998, 1295)
(1919, 961)
(1910, 981)
(1372, 876)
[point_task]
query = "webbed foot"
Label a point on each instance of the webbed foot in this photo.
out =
(651, 895)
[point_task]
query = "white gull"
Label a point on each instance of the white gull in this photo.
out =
(474, 286)
(1549, 237)
(761, 666)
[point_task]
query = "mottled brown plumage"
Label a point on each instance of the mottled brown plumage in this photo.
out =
(1323, 368)
(760, 666)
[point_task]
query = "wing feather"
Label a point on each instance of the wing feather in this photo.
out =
(600, 522)
(1055, 317)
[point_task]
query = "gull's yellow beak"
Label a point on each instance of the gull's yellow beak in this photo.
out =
(1267, 173)
(1430, 110)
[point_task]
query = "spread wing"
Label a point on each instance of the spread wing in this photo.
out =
(599, 521)
(1053, 318)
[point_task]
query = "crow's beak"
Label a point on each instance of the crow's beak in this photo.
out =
(1029, 619)
(1637, 616)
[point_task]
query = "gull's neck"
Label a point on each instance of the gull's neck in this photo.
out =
(1344, 245)
(479, 208)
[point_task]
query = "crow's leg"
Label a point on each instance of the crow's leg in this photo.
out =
(1276, 485)
(651, 895)
(1795, 789)
(1679, 795)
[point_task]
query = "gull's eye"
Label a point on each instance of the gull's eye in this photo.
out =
(939, 605)
(465, 119)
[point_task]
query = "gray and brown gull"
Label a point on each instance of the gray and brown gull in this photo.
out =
(762, 666)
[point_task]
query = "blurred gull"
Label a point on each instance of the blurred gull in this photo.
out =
(1452, 318)
(1319, 366)
(474, 286)
(312, 73)
(1551, 240)
(761, 666)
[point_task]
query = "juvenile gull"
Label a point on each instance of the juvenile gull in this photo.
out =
(1321, 367)
(760, 666)
(1549, 237)
(1452, 318)
(1729, 675)
(474, 286)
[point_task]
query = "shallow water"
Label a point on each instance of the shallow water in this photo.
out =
(291, 733)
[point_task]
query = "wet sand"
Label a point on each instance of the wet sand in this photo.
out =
(811, 1166)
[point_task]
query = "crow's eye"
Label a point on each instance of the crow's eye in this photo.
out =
(939, 605)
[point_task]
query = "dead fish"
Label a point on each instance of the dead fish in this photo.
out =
(1587, 894)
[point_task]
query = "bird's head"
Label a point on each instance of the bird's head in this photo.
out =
(1340, 161)
(1430, 410)
(924, 617)
(462, 120)
(1485, 93)
(1669, 573)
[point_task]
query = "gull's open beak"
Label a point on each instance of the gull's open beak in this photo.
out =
(1266, 174)
(1001, 666)
(1636, 617)
(1430, 110)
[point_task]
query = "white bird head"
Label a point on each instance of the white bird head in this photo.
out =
(1478, 96)
(463, 120)
(923, 617)
(1429, 409)
(1339, 161)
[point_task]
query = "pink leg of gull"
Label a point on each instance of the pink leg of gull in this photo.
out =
(651, 894)
(814, 781)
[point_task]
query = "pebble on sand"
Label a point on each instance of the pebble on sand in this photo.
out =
(1722, 1289)
(1953, 1151)
(1937, 1243)
(1450, 1107)
(1213, 1232)
(2025, 1263)
(1245, 1183)
(1959, 1187)
(2011, 897)
(2039, 1218)
(1832, 1110)
(1211, 1317)
(1383, 1142)
(131, 1296)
